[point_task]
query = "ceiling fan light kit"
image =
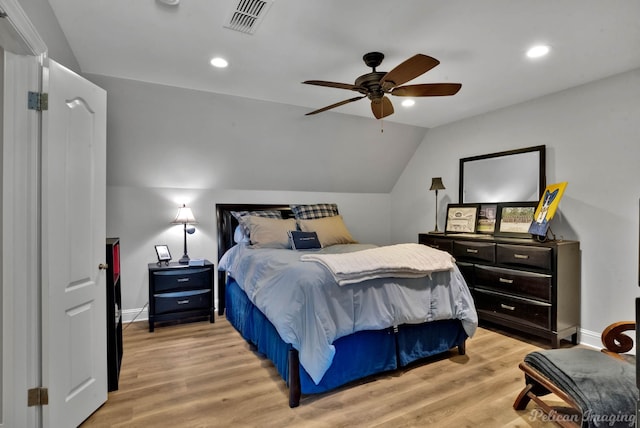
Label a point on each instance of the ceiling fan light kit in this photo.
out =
(377, 84)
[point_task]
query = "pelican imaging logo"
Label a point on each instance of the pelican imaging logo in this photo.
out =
(618, 419)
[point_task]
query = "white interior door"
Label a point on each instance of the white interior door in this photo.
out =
(74, 345)
(20, 307)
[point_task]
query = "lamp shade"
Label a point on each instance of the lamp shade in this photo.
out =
(436, 184)
(184, 216)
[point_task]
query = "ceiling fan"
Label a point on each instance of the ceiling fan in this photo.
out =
(377, 84)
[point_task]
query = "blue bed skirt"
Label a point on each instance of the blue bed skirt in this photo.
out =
(358, 355)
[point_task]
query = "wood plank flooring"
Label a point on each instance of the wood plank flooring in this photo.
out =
(205, 375)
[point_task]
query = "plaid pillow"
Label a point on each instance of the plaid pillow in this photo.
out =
(267, 214)
(311, 212)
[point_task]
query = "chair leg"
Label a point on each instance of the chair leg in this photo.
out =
(538, 384)
(523, 398)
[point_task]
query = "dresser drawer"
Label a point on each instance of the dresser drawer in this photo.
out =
(521, 283)
(437, 243)
(524, 255)
(523, 311)
(474, 251)
(182, 301)
(467, 271)
(181, 279)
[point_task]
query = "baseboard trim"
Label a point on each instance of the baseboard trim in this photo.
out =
(590, 338)
(135, 315)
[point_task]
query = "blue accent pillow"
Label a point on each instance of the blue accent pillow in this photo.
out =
(304, 240)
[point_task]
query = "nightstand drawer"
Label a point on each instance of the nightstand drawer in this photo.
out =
(474, 251)
(186, 278)
(521, 283)
(524, 255)
(523, 311)
(182, 301)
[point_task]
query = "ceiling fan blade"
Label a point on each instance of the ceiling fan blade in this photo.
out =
(381, 107)
(408, 70)
(341, 103)
(331, 84)
(427, 90)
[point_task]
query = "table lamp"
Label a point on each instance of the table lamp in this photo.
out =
(436, 184)
(185, 217)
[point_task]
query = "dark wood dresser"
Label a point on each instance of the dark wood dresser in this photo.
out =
(520, 283)
(178, 292)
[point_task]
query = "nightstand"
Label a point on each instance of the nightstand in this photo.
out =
(180, 292)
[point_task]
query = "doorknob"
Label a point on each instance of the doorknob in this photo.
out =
(103, 266)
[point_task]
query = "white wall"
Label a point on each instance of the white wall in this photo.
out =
(592, 137)
(162, 136)
(141, 218)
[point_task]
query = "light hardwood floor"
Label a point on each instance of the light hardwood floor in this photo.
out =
(205, 375)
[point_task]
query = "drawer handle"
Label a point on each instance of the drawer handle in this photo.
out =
(472, 251)
(511, 308)
(506, 280)
(183, 302)
(521, 256)
(183, 279)
(435, 246)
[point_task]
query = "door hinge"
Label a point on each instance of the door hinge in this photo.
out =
(38, 101)
(37, 397)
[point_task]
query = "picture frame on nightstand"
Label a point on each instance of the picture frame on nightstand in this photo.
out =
(163, 253)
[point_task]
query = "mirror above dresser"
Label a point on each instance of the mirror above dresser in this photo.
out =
(510, 176)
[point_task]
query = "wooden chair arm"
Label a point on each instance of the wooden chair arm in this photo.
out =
(614, 339)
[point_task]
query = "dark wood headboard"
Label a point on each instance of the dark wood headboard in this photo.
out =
(226, 226)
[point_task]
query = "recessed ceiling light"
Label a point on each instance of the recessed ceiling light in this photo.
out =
(408, 103)
(169, 2)
(538, 51)
(219, 62)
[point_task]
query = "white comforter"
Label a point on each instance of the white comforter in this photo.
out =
(400, 261)
(310, 310)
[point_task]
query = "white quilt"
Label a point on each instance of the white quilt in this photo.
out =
(400, 261)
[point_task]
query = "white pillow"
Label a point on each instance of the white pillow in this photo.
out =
(239, 237)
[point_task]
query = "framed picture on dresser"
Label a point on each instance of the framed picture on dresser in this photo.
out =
(487, 218)
(514, 218)
(462, 218)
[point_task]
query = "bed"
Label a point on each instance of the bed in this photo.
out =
(369, 343)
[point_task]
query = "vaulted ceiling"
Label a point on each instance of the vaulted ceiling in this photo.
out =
(480, 44)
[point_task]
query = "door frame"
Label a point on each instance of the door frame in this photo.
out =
(20, 315)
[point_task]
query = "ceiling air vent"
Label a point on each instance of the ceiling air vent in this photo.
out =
(247, 15)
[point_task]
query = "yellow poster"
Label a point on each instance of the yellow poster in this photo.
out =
(547, 208)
